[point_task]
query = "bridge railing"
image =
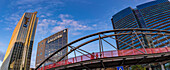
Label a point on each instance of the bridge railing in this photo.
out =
(114, 53)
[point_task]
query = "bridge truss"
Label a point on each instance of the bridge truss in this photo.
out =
(100, 58)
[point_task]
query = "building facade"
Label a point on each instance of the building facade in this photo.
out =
(128, 21)
(18, 54)
(49, 45)
(152, 15)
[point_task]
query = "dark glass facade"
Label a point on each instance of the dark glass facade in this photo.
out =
(49, 45)
(156, 15)
(153, 15)
(18, 54)
(128, 21)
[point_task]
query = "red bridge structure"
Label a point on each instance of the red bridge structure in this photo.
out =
(104, 59)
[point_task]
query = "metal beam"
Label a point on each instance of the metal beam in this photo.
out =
(100, 46)
(53, 61)
(165, 37)
(84, 51)
(140, 41)
(125, 43)
(156, 40)
(75, 55)
(102, 64)
(79, 51)
(142, 59)
(85, 66)
(123, 61)
(159, 58)
(109, 44)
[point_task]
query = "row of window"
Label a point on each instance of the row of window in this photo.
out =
(152, 12)
(160, 26)
(158, 19)
(128, 19)
(155, 8)
(157, 16)
(121, 14)
(159, 22)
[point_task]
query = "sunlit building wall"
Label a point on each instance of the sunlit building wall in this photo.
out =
(18, 54)
(49, 45)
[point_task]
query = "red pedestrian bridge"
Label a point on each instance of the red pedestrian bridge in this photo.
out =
(116, 58)
(159, 52)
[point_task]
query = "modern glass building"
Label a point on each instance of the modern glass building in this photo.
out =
(152, 15)
(18, 54)
(128, 21)
(49, 45)
(156, 15)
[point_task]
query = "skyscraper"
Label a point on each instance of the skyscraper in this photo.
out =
(49, 45)
(125, 19)
(18, 54)
(152, 15)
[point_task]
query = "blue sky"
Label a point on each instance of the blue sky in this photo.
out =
(81, 17)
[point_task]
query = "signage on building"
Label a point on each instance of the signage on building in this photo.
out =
(26, 21)
(50, 40)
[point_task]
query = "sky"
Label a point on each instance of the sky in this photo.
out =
(81, 17)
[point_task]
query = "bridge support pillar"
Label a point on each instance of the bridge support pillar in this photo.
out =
(150, 68)
(162, 67)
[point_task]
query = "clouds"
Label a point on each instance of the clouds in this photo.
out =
(68, 22)
(42, 6)
(2, 44)
(14, 18)
(32, 2)
(44, 26)
(63, 21)
(57, 28)
(11, 20)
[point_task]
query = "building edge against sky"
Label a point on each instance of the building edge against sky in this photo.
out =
(152, 15)
(50, 44)
(18, 54)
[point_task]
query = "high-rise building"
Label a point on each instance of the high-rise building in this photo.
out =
(152, 15)
(49, 45)
(125, 19)
(18, 54)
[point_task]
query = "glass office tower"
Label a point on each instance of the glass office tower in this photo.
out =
(18, 54)
(128, 21)
(153, 15)
(156, 15)
(49, 45)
